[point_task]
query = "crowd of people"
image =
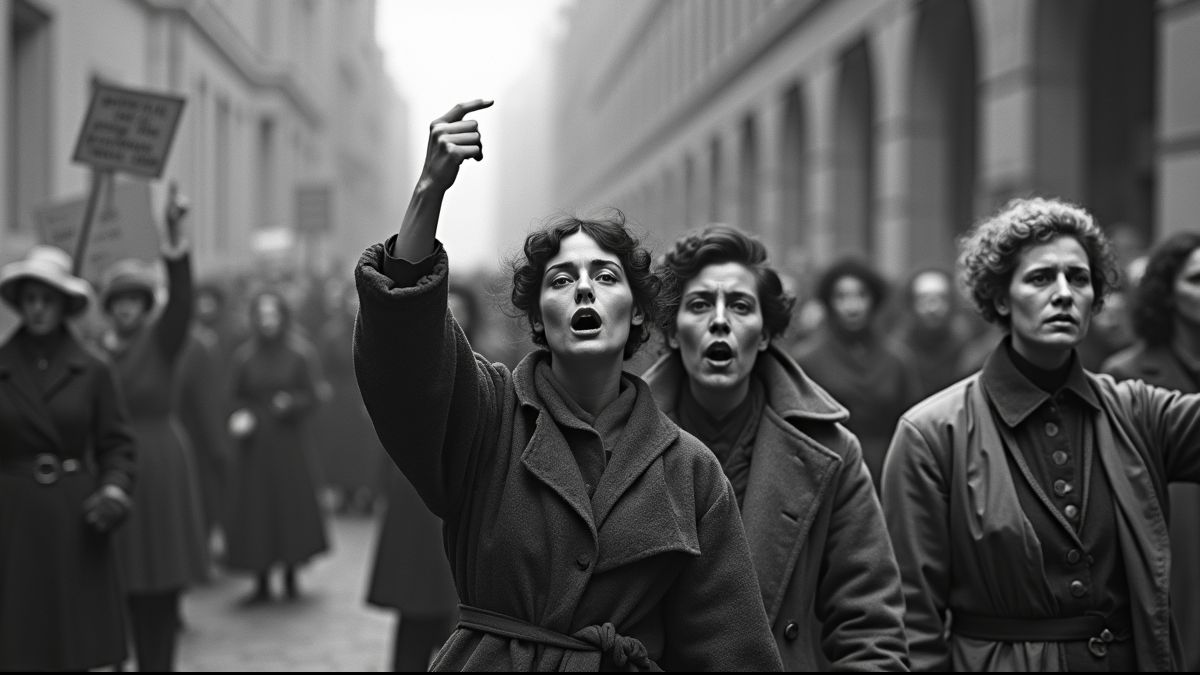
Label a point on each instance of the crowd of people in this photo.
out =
(901, 484)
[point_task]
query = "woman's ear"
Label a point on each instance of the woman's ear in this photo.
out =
(639, 317)
(1001, 305)
(672, 340)
(764, 341)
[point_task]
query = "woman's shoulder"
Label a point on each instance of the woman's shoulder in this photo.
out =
(943, 406)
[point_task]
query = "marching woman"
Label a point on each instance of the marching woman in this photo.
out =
(817, 538)
(163, 548)
(1027, 503)
(584, 529)
(67, 464)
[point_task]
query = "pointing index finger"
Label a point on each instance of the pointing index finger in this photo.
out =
(461, 110)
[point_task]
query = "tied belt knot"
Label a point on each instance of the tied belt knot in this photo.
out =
(626, 653)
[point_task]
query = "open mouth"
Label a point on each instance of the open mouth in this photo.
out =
(585, 320)
(1062, 318)
(719, 353)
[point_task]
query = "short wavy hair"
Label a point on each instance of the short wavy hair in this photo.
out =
(1154, 299)
(856, 268)
(613, 235)
(989, 253)
(715, 245)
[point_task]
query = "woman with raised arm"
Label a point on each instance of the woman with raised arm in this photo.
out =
(817, 538)
(584, 529)
(1027, 503)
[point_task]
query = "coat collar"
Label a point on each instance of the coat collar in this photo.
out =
(790, 473)
(790, 392)
(1015, 397)
(647, 435)
(19, 381)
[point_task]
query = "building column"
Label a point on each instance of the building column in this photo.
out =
(770, 122)
(1178, 153)
(895, 140)
(821, 85)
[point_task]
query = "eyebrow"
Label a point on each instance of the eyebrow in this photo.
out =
(706, 293)
(598, 262)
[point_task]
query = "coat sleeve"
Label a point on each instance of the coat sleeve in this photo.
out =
(172, 328)
(115, 448)
(859, 599)
(715, 619)
(432, 402)
(1171, 421)
(916, 509)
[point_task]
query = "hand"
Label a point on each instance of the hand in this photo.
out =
(452, 140)
(106, 508)
(242, 423)
(282, 402)
(177, 209)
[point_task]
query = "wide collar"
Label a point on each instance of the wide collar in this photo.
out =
(1015, 397)
(19, 382)
(790, 473)
(647, 436)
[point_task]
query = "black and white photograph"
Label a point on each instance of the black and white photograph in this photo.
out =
(599, 335)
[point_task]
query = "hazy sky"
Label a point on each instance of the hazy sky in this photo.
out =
(441, 53)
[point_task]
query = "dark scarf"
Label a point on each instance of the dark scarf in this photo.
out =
(731, 438)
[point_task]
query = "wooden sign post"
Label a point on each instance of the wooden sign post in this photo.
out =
(125, 130)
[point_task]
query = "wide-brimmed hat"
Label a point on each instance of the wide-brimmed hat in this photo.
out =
(51, 266)
(126, 276)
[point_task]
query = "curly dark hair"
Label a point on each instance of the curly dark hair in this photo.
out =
(989, 253)
(855, 268)
(1154, 299)
(715, 245)
(611, 234)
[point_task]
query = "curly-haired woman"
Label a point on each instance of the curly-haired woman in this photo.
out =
(1027, 503)
(585, 530)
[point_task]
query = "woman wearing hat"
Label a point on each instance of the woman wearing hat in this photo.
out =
(66, 473)
(163, 548)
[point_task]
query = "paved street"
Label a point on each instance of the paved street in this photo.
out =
(329, 628)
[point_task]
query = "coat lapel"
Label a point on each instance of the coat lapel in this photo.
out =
(549, 459)
(788, 480)
(18, 384)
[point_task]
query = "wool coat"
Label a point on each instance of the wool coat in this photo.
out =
(964, 543)
(659, 550)
(1159, 366)
(276, 515)
(820, 548)
(163, 547)
(876, 384)
(61, 603)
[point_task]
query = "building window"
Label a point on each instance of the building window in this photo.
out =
(28, 112)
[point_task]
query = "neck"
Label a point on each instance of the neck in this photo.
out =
(1044, 358)
(1185, 341)
(593, 384)
(720, 402)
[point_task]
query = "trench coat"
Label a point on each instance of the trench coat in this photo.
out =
(964, 543)
(163, 547)
(817, 536)
(61, 603)
(276, 515)
(1158, 366)
(659, 550)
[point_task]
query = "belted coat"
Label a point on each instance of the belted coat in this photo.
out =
(658, 551)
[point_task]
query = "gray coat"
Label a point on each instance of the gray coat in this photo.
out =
(820, 547)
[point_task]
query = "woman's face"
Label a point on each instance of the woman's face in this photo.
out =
(1049, 298)
(851, 304)
(719, 327)
(586, 304)
(128, 311)
(268, 316)
(931, 300)
(1187, 290)
(42, 307)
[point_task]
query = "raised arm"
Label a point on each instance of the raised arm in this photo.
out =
(172, 328)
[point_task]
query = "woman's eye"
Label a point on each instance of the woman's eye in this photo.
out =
(741, 306)
(1038, 278)
(606, 277)
(697, 306)
(1081, 279)
(559, 282)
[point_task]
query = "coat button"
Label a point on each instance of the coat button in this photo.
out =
(1071, 511)
(1074, 556)
(1078, 589)
(1059, 457)
(1051, 429)
(584, 560)
(792, 631)
(1062, 488)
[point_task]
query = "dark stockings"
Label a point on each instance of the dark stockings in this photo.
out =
(153, 618)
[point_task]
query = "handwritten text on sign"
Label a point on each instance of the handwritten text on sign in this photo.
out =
(128, 130)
